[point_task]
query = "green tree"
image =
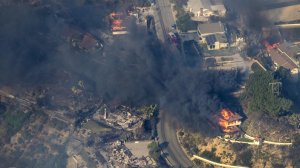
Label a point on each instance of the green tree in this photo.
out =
(184, 22)
(148, 110)
(154, 151)
(260, 96)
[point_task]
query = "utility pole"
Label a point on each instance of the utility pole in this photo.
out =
(276, 87)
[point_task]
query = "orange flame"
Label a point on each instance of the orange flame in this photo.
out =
(223, 121)
(224, 125)
(117, 22)
(226, 114)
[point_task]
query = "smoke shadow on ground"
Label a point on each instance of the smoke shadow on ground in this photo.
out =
(135, 69)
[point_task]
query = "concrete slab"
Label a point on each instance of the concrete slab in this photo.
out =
(138, 148)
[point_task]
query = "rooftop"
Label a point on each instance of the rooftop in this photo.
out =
(138, 148)
(219, 7)
(282, 59)
(221, 38)
(290, 49)
(217, 2)
(196, 5)
(229, 116)
(211, 28)
(88, 42)
(210, 39)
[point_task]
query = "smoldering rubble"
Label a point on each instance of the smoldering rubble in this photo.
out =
(135, 70)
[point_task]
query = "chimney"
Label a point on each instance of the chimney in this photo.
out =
(105, 114)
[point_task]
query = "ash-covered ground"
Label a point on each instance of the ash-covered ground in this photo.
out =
(42, 59)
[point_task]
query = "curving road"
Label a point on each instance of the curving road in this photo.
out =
(175, 156)
(167, 134)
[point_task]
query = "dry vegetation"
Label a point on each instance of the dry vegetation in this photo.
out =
(268, 156)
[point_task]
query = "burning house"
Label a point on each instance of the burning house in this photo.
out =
(282, 59)
(228, 121)
(271, 37)
(283, 54)
(117, 24)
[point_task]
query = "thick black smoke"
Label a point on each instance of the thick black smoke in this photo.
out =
(136, 69)
(194, 97)
(249, 12)
(253, 12)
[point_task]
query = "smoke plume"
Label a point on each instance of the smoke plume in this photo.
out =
(250, 13)
(136, 69)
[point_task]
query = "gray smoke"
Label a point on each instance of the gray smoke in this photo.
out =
(250, 13)
(135, 70)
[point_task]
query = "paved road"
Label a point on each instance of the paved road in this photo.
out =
(166, 13)
(166, 131)
(167, 134)
(165, 17)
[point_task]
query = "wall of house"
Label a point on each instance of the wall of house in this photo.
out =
(224, 45)
(222, 12)
(218, 46)
(294, 71)
(202, 40)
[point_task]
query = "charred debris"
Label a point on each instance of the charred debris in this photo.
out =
(57, 102)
